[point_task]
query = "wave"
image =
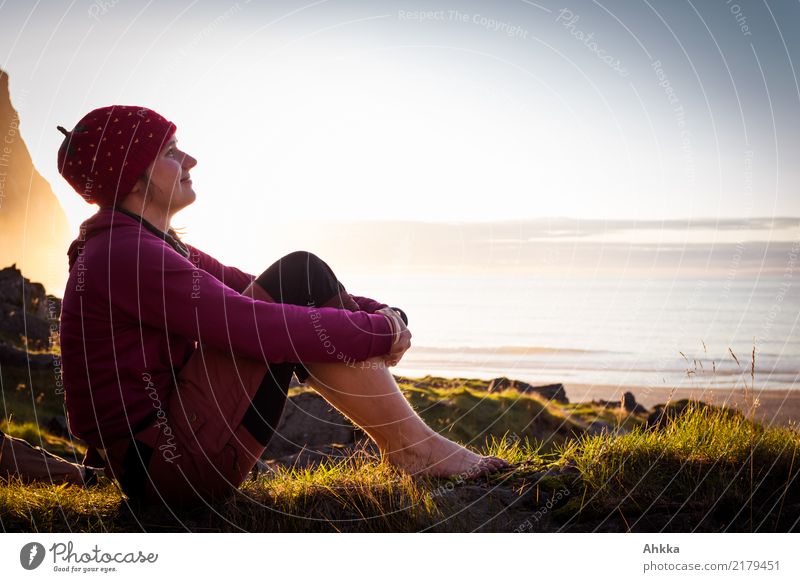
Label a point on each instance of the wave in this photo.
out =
(511, 350)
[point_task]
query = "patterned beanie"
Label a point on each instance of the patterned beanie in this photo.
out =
(109, 149)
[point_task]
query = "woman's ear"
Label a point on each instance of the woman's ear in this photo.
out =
(141, 183)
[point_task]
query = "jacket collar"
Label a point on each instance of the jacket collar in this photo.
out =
(106, 217)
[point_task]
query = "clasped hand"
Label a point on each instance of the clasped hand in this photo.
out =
(402, 341)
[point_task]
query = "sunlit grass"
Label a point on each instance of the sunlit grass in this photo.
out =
(714, 466)
(707, 460)
(47, 508)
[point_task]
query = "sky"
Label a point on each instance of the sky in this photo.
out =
(302, 114)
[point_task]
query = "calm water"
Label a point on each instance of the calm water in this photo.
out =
(601, 331)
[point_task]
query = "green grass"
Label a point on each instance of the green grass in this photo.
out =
(470, 415)
(705, 470)
(28, 400)
(618, 418)
(358, 493)
(707, 459)
(29, 395)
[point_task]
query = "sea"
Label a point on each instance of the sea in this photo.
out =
(638, 332)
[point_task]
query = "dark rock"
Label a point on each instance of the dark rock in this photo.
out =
(57, 425)
(11, 356)
(28, 316)
(628, 403)
(550, 392)
(663, 414)
(309, 422)
(570, 467)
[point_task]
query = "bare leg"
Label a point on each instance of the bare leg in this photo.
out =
(367, 393)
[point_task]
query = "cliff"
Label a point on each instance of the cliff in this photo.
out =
(34, 231)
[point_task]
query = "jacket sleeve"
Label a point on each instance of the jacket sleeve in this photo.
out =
(231, 276)
(158, 287)
(367, 304)
(371, 306)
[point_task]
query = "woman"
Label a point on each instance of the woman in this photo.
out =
(175, 366)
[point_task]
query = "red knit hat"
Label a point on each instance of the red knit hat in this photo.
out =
(107, 151)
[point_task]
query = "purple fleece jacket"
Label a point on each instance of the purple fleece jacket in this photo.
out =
(134, 309)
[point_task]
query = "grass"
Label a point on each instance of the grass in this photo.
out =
(29, 395)
(34, 434)
(471, 415)
(705, 471)
(723, 466)
(358, 493)
(29, 399)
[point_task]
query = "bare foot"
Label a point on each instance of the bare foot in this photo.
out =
(437, 456)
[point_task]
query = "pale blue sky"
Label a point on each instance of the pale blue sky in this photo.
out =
(455, 111)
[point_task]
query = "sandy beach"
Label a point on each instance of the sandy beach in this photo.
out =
(780, 407)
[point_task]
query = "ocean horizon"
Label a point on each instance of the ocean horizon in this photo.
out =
(632, 332)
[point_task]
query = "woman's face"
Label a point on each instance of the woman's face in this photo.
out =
(170, 188)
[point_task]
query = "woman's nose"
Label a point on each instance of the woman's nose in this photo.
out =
(188, 161)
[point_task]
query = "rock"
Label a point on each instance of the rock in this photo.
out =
(57, 425)
(309, 422)
(11, 356)
(664, 413)
(550, 392)
(34, 230)
(570, 467)
(630, 404)
(28, 316)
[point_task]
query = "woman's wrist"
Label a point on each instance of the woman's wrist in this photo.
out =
(401, 314)
(394, 327)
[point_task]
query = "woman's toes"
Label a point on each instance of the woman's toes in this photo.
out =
(496, 464)
(484, 467)
(502, 463)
